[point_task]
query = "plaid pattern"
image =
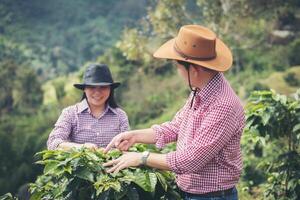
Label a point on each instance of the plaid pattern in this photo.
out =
(77, 124)
(208, 155)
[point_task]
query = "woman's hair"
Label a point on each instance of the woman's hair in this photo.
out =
(111, 99)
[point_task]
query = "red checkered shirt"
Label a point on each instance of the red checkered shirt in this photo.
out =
(208, 155)
(77, 124)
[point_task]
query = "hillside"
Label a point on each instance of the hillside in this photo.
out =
(58, 37)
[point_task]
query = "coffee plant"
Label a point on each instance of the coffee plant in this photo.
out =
(79, 174)
(273, 127)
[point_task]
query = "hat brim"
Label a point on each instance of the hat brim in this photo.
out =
(222, 62)
(81, 86)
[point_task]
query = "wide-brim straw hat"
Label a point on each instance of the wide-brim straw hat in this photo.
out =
(198, 45)
(97, 75)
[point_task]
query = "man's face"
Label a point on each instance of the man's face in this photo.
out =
(182, 71)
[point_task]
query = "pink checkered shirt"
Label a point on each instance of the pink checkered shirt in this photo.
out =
(208, 155)
(77, 124)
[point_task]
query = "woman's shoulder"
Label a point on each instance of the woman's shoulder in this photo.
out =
(120, 111)
(72, 109)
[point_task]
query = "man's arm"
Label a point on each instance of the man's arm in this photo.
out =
(125, 140)
(134, 159)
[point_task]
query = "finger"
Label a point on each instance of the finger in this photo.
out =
(112, 162)
(127, 146)
(113, 169)
(123, 145)
(114, 143)
(109, 146)
(120, 167)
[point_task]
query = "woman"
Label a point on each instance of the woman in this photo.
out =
(94, 121)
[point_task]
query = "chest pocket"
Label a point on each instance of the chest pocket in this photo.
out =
(198, 117)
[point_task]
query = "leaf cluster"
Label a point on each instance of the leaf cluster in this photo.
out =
(79, 174)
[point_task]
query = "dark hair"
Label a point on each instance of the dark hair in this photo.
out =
(111, 99)
(187, 65)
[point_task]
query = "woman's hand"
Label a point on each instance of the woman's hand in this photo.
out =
(70, 145)
(91, 146)
(128, 159)
(123, 141)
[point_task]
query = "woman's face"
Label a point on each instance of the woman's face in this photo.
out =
(97, 95)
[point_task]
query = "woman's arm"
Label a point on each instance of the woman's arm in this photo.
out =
(59, 136)
(62, 129)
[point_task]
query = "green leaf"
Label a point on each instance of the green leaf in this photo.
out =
(114, 153)
(265, 118)
(153, 181)
(93, 156)
(50, 167)
(85, 174)
(68, 169)
(7, 196)
(296, 128)
(146, 180)
(162, 180)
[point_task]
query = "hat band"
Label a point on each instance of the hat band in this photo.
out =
(187, 57)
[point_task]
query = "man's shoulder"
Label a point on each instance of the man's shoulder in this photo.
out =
(228, 97)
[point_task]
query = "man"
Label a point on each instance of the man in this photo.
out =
(208, 128)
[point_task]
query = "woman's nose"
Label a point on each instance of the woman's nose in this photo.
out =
(97, 89)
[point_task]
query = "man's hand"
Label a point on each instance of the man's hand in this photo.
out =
(128, 159)
(123, 141)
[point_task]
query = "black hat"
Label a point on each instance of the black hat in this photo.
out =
(97, 75)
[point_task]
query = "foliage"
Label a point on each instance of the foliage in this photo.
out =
(8, 196)
(20, 138)
(17, 81)
(273, 126)
(79, 174)
(291, 79)
(61, 36)
(293, 56)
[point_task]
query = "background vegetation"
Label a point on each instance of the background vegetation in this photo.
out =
(44, 46)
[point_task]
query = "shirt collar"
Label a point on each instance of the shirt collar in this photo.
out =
(83, 105)
(211, 88)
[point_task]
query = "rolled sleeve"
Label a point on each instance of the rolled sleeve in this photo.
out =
(168, 131)
(62, 129)
(216, 130)
(172, 162)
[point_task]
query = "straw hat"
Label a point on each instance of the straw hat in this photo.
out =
(198, 45)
